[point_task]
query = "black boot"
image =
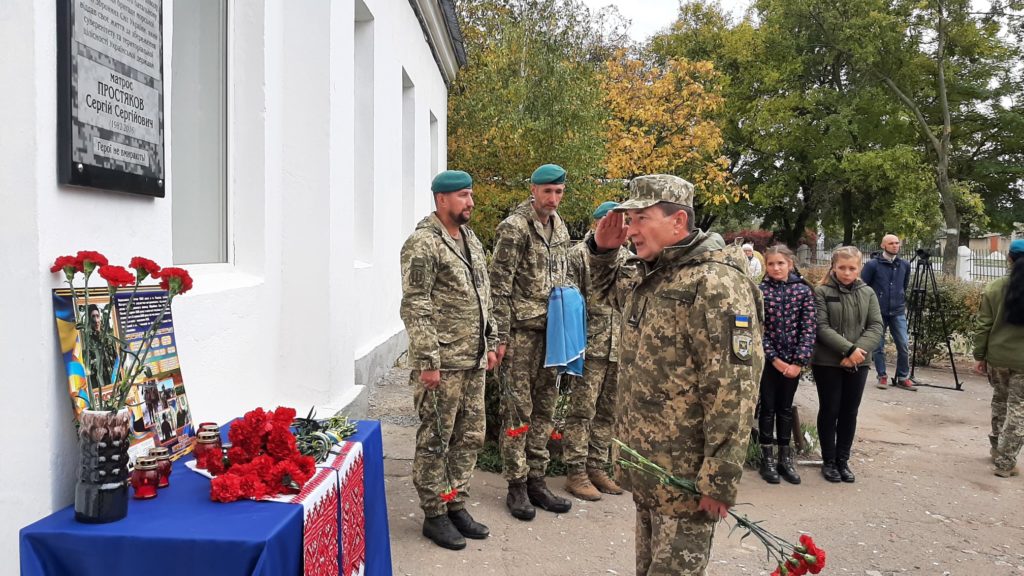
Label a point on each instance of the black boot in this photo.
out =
(843, 466)
(466, 526)
(828, 470)
(541, 497)
(769, 464)
(785, 467)
(441, 530)
(517, 501)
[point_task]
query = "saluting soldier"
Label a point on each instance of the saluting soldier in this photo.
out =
(531, 256)
(690, 359)
(446, 309)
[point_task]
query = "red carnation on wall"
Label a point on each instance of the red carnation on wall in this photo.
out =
(144, 267)
(175, 280)
(116, 276)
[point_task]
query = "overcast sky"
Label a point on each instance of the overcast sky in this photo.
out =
(650, 16)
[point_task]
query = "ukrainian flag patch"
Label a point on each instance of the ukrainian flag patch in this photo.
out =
(742, 321)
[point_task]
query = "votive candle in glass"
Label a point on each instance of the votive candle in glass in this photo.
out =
(163, 464)
(145, 477)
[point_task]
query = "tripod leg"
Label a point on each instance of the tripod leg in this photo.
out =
(945, 330)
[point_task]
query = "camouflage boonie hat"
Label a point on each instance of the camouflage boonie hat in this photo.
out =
(648, 190)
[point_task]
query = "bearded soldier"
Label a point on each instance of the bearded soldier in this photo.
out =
(446, 309)
(531, 257)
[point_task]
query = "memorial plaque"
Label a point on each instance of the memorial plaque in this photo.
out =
(110, 120)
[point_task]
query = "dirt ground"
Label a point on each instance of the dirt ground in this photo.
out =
(925, 500)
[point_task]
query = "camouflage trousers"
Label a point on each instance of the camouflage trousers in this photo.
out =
(588, 425)
(1007, 434)
(451, 434)
(672, 546)
(528, 398)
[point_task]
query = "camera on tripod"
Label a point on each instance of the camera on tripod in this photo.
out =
(922, 253)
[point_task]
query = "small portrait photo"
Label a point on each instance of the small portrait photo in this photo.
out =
(151, 401)
(166, 388)
(165, 425)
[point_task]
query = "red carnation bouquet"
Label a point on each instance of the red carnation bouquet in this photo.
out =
(263, 460)
(104, 353)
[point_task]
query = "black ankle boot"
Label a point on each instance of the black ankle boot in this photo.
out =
(541, 497)
(517, 501)
(441, 530)
(785, 467)
(466, 526)
(828, 470)
(843, 467)
(769, 464)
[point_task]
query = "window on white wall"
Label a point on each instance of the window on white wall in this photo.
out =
(364, 157)
(199, 83)
(408, 151)
(434, 145)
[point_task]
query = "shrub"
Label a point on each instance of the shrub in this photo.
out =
(958, 303)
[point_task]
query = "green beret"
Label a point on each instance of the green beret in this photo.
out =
(451, 181)
(548, 174)
(604, 208)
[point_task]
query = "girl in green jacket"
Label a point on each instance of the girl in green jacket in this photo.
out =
(849, 324)
(998, 343)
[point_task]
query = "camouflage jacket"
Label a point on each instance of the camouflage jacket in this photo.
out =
(690, 361)
(604, 322)
(526, 267)
(445, 299)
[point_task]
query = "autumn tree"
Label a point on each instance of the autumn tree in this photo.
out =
(661, 120)
(530, 95)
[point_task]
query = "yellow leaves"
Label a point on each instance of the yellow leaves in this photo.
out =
(661, 122)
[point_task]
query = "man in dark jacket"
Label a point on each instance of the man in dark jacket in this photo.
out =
(889, 275)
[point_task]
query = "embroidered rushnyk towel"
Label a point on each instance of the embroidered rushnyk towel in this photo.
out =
(332, 498)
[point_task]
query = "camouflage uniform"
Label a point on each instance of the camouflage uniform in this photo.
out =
(526, 266)
(446, 310)
(591, 414)
(997, 342)
(1007, 434)
(690, 360)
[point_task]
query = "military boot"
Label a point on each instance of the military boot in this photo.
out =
(828, 470)
(517, 501)
(441, 530)
(541, 497)
(578, 484)
(785, 467)
(769, 464)
(599, 478)
(845, 474)
(466, 526)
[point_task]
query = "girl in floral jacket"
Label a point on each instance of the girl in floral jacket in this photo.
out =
(789, 333)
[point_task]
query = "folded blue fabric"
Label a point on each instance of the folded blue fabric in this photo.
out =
(566, 331)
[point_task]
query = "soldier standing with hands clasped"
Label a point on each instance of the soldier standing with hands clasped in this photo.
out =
(446, 310)
(690, 358)
(531, 257)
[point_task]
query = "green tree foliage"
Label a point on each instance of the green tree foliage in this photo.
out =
(531, 94)
(865, 115)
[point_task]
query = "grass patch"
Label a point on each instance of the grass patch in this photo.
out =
(489, 460)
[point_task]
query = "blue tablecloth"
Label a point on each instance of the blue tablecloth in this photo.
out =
(182, 531)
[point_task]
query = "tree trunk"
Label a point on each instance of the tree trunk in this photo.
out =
(949, 216)
(846, 203)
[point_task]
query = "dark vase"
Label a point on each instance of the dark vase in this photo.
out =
(101, 494)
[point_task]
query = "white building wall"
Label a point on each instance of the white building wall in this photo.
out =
(287, 321)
